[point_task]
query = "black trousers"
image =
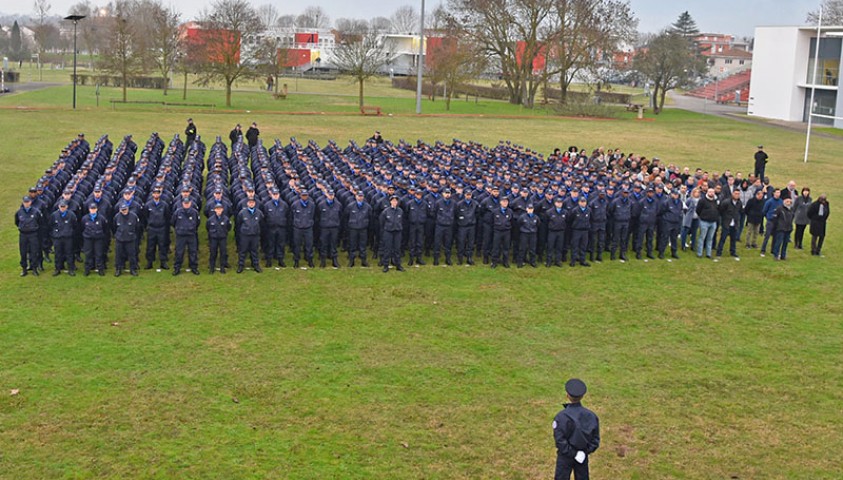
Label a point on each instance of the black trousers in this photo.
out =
(303, 239)
(390, 248)
(328, 239)
(415, 239)
(565, 465)
(554, 246)
(64, 253)
(597, 242)
(248, 246)
(465, 241)
(276, 243)
(94, 249)
(527, 247)
(218, 247)
(645, 234)
(817, 243)
(579, 244)
(732, 233)
(501, 240)
(357, 238)
(443, 238)
(620, 237)
(799, 235)
(30, 249)
(488, 239)
(670, 235)
(191, 244)
(157, 239)
(126, 251)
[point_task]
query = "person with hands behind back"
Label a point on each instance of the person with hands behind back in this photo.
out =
(576, 431)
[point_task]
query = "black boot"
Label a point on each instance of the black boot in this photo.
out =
(335, 263)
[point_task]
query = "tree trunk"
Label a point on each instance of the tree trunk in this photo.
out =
(125, 78)
(184, 93)
(448, 96)
(228, 94)
(166, 84)
(360, 81)
(654, 98)
(661, 99)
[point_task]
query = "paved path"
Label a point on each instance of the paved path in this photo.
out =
(29, 86)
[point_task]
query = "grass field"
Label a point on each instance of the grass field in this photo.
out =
(697, 369)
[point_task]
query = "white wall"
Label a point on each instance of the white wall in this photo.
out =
(779, 63)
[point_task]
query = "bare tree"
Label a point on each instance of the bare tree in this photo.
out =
(405, 20)
(513, 32)
(313, 17)
(223, 29)
(381, 24)
(453, 62)
(271, 56)
(286, 21)
(832, 13)
(669, 62)
(165, 39)
(89, 31)
(361, 56)
(121, 55)
(581, 30)
(438, 19)
(268, 14)
(41, 32)
(351, 26)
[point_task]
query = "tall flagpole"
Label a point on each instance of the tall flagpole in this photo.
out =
(813, 86)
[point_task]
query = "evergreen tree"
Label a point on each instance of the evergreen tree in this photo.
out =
(16, 42)
(685, 26)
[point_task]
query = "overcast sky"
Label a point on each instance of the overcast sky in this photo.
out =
(738, 17)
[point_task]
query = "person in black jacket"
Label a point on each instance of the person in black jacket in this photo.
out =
(303, 213)
(671, 221)
(557, 221)
(28, 219)
(63, 225)
(576, 433)
(708, 209)
(782, 226)
(190, 133)
(730, 217)
(818, 215)
(760, 162)
(218, 225)
(502, 233)
(754, 211)
(444, 212)
(235, 134)
(580, 219)
(252, 135)
(276, 215)
(157, 218)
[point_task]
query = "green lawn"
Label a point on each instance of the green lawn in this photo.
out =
(697, 369)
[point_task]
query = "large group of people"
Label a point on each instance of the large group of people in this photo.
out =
(445, 203)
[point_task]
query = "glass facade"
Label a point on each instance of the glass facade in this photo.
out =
(828, 66)
(825, 102)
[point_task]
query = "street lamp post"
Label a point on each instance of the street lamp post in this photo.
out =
(420, 69)
(75, 19)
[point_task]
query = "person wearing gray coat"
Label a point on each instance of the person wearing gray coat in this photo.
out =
(800, 216)
(690, 221)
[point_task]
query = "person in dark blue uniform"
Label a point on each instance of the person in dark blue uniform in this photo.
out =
(248, 225)
(29, 220)
(303, 216)
(63, 224)
(186, 225)
(94, 235)
(218, 225)
(576, 432)
(157, 217)
(358, 217)
(580, 218)
(557, 222)
(466, 228)
(443, 234)
(621, 212)
(329, 212)
(671, 222)
(126, 228)
(392, 224)
(647, 210)
(599, 206)
(501, 233)
(418, 209)
(276, 215)
(528, 229)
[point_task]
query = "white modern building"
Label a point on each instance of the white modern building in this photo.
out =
(782, 71)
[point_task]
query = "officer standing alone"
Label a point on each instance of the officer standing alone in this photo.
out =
(576, 431)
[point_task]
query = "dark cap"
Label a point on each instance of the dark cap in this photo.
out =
(124, 206)
(62, 203)
(27, 199)
(329, 192)
(447, 190)
(185, 188)
(251, 200)
(394, 197)
(185, 200)
(304, 193)
(219, 205)
(530, 205)
(93, 206)
(575, 387)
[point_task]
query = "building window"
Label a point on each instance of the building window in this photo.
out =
(740, 62)
(728, 61)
